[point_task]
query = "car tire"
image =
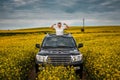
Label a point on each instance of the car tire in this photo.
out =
(36, 68)
(80, 72)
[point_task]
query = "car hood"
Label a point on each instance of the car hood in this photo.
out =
(59, 51)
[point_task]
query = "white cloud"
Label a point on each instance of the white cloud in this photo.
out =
(109, 2)
(106, 3)
(18, 3)
(23, 23)
(36, 21)
(29, 13)
(66, 3)
(91, 1)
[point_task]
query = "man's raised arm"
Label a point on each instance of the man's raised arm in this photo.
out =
(66, 26)
(53, 26)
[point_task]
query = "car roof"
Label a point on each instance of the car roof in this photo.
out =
(64, 35)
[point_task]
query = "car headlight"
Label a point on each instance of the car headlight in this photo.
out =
(41, 58)
(76, 57)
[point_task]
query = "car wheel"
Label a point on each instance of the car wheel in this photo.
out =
(80, 72)
(36, 68)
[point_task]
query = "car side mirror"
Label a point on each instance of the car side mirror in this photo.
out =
(80, 45)
(37, 45)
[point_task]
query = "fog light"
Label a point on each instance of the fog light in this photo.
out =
(77, 67)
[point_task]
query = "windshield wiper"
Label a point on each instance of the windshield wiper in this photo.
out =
(58, 47)
(48, 46)
(65, 46)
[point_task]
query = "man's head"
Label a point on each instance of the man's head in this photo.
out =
(59, 24)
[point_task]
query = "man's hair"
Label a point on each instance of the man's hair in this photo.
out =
(59, 23)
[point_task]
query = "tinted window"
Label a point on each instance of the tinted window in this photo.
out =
(59, 42)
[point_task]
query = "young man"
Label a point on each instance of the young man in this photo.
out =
(59, 28)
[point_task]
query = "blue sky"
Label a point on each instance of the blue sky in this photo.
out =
(17, 14)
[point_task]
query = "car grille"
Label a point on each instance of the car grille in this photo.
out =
(61, 59)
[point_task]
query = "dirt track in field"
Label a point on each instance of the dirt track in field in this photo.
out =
(33, 75)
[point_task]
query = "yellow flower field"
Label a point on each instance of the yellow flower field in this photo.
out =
(101, 53)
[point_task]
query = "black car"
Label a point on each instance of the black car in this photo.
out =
(59, 50)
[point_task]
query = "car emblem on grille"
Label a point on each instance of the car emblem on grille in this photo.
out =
(49, 59)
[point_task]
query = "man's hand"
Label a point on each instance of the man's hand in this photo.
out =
(53, 26)
(66, 25)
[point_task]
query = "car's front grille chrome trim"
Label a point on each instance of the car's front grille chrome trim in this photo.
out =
(59, 59)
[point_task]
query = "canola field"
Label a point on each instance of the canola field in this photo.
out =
(101, 53)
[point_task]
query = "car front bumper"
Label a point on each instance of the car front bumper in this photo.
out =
(77, 65)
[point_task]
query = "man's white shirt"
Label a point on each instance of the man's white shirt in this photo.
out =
(59, 31)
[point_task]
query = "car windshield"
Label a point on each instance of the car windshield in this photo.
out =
(58, 42)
